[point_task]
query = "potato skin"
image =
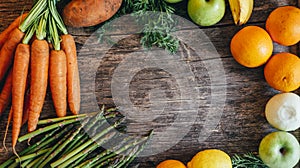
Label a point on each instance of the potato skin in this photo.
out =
(85, 13)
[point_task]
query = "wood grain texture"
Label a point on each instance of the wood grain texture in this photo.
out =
(242, 124)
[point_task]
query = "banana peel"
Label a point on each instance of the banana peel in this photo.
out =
(241, 10)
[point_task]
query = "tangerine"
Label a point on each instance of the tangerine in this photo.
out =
(283, 25)
(252, 46)
(171, 164)
(282, 72)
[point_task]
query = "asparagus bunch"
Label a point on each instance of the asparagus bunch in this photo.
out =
(77, 141)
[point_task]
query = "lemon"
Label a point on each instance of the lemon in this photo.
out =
(210, 158)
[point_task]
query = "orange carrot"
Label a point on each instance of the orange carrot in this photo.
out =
(19, 75)
(5, 33)
(5, 95)
(7, 126)
(39, 66)
(26, 100)
(73, 80)
(26, 107)
(8, 49)
(58, 81)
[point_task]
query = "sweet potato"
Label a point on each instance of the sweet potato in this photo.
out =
(85, 13)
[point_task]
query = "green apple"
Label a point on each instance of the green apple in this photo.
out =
(173, 1)
(283, 111)
(279, 150)
(206, 12)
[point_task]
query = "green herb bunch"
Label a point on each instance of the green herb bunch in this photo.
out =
(157, 30)
(248, 160)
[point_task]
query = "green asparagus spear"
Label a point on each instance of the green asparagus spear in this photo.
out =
(64, 143)
(106, 162)
(90, 122)
(136, 150)
(43, 142)
(12, 159)
(46, 129)
(90, 149)
(46, 157)
(83, 146)
(108, 153)
(55, 120)
(78, 140)
(30, 156)
(78, 161)
(128, 157)
(25, 163)
(32, 163)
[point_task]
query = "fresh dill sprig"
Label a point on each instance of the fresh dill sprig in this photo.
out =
(156, 30)
(248, 160)
(160, 37)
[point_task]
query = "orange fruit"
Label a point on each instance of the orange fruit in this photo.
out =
(282, 72)
(252, 46)
(171, 164)
(210, 158)
(283, 25)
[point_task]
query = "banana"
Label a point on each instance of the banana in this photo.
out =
(241, 10)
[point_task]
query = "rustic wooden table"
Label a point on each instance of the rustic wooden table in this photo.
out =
(242, 123)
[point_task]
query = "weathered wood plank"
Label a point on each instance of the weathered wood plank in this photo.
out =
(11, 9)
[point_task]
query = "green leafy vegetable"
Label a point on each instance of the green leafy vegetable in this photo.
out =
(248, 160)
(155, 32)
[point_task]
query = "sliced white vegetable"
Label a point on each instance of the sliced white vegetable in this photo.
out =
(283, 111)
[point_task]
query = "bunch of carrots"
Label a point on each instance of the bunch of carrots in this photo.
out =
(36, 48)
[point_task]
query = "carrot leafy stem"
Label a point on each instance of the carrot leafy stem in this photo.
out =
(38, 8)
(29, 34)
(54, 13)
(41, 32)
(54, 36)
(45, 21)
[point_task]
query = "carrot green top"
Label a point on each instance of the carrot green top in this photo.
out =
(45, 21)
